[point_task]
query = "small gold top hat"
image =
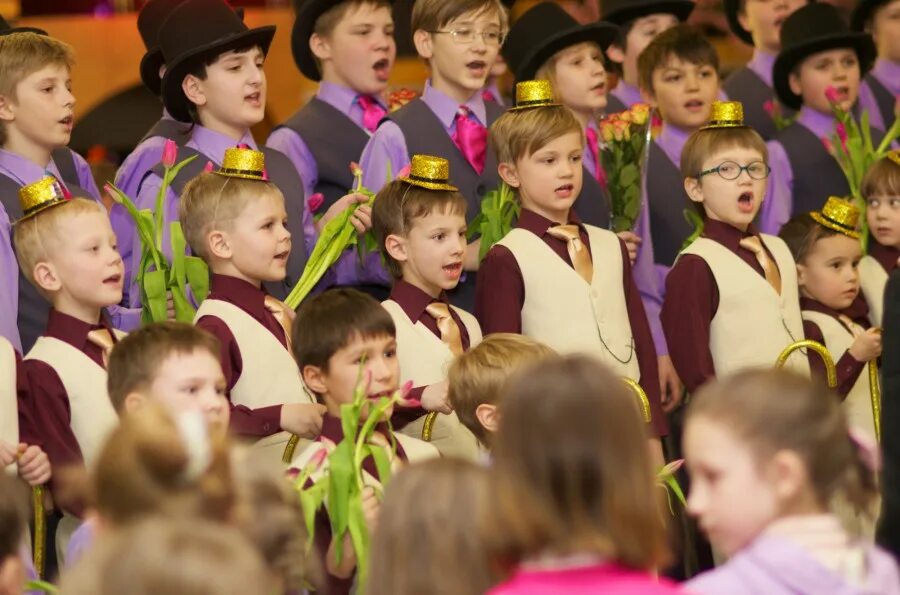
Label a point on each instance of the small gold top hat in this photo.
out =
(243, 163)
(429, 172)
(838, 214)
(531, 94)
(43, 194)
(894, 156)
(726, 114)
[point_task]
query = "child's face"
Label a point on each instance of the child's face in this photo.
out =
(191, 381)
(732, 495)
(886, 30)
(431, 255)
(643, 31)
(376, 356)
(829, 273)
(736, 201)
(258, 243)
(581, 79)
(42, 111)
(763, 19)
(549, 180)
(883, 218)
(360, 52)
(83, 270)
(684, 92)
(831, 68)
(233, 97)
(461, 69)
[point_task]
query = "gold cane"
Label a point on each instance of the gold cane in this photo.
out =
(40, 529)
(875, 396)
(642, 398)
(428, 426)
(288, 455)
(830, 370)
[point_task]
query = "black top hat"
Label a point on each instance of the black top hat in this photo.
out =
(623, 11)
(197, 31)
(732, 7)
(6, 28)
(308, 12)
(810, 29)
(863, 12)
(545, 30)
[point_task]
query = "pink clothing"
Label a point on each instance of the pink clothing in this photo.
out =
(605, 577)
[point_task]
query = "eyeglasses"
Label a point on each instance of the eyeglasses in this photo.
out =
(729, 170)
(467, 36)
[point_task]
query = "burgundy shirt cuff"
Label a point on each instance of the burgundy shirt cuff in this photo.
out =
(257, 423)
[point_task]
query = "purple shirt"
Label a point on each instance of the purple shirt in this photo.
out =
(762, 63)
(778, 205)
(888, 74)
(388, 144)
(627, 94)
(650, 277)
(80, 542)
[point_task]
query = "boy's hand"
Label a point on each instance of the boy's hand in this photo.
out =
(434, 398)
(34, 465)
(303, 419)
(8, 454)
(361, 218)
(670, 387)
(371, 508)
(867, 345)
(632, 241)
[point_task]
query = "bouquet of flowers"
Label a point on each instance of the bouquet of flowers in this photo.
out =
(626, 136)
(399, 98)
(157, 277)
(499, 208)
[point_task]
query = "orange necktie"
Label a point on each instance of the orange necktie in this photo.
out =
(581, 259)
(103, 339)
(448, 327)
(754, 244)
(284, 315)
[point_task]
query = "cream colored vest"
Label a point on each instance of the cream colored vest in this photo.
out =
(873, 279)
(424, 360)
(9, 407)
(270, 375)
(858, 404)
(566, 313)
(92, 413)
(753, 324)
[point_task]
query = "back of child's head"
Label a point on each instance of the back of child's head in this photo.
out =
(518, 134)
(775, 410)
(23, 54)
(882, 179)
(37, 238)
(212, 201)
(801, 233)
(682, 42)
(176, 557)
(478, 375)
(571, 468)
(398, 205)
(137, 358)
(435, 15)
(330, 321)
(154, 464)
(443, 537)
(13, 517)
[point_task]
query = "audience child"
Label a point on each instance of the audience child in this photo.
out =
(880, 88)
(881, 190)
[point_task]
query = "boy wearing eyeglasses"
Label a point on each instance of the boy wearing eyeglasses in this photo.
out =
(731, 298)
(459, 41)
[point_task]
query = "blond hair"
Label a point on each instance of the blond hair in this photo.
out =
(211, 201)
(432, 15)
(442, 537)
(37, 237)
(547, 70)
(22, 54)
(882, 179)
(477, 376)
(519, 134)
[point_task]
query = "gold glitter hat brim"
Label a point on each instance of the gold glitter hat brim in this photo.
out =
(40, 209)
(839, 215)
(247, 164)
(428, 184)
(429, 172)
(833, 225)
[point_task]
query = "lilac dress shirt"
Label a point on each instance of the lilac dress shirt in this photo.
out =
(888, 74)
(627, 94)
(761, 63)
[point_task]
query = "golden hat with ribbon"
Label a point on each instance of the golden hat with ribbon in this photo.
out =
(726, 114)
(839, 215)
(43, 194)
(531, 94)
(894, 156)
(243, 163)
(427, 171)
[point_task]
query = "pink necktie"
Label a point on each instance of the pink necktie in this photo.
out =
(373, 113)
(593, 143)
(488, 95)
(470, 138)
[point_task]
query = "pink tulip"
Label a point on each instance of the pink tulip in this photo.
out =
(832, 95)
(828, 146)
(265, 175)
(354, 169)
(404, 173)
(769, 106)
(315, 201)
(208, 167)
(170, 153)
(317, 459)
(109, 189)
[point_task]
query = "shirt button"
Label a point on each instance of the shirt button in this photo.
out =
(267, 427)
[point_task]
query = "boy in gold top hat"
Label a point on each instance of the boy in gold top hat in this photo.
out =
(67, 249)
(826, 246)
(420, 223)
(731, 298)
(234, 219)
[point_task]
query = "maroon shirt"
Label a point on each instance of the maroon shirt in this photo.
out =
(500, 296)
(848, 368)
(264, 421)
(45, 418)
(691, 302)
(885, 255)
(413, 301)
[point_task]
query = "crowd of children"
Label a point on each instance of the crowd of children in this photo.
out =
(528, 385)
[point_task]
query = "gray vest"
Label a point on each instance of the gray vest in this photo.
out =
(334, 141)
(171, 129)
(33, 308)
(426, 135)
(883, 99)
(284, 175)
(667, 201)
(817, 174)
(745, 86)
(593, 203)
(614, 104)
